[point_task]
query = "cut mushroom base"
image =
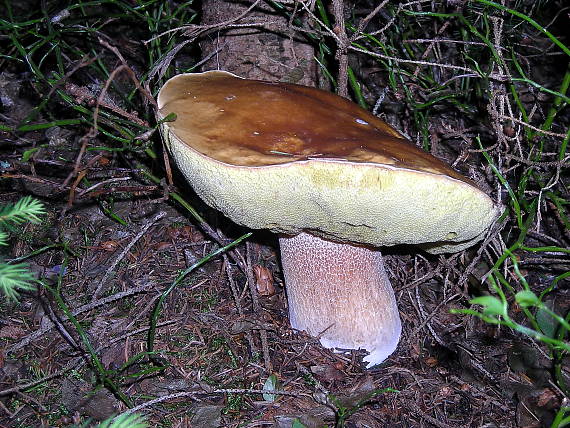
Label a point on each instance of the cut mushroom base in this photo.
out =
(341, 294)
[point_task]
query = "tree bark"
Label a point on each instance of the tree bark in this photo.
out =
(266, 48)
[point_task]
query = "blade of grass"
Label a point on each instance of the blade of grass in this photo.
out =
(531, 21)
(94, 360)
(178, 280)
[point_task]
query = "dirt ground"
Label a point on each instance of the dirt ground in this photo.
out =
(117, 234)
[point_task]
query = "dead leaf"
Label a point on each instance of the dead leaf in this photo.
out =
(327, 373)
(206, 416)
(159, 246)
(431, 361)
(547, 399)
(109, 245)
(263, 280)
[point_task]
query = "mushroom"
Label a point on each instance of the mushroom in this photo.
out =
(334, 181)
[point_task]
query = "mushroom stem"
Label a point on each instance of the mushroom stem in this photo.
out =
(340, 293)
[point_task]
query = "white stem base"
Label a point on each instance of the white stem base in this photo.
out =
(341, 294)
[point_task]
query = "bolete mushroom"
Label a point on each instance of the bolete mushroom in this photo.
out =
(334, 181)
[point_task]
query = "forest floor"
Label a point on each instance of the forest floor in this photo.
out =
(114, 325)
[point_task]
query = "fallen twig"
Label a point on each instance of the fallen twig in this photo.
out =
(121, 256)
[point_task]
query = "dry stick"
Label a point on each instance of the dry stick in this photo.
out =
(364, 22)
(388, 25)
(440, 40)
(101, 97)
(560, 164)
(167, 168)
(80, 176)
(32, 399)
(33, 179)
(85, 61)
(236, 296)
(257, 309)
(552, 182)
(198, 29)
(84, 140)
(49, 325)
(341, 52)
(544, 237)
(76, 362)
(433, 313)
(432, 420)
(139, 190)
(326, 30)
(504, 69)
(419, 281)
(541, 260)
(83, 94)
(308, 374)
(81, 173)
(430, 47)
(53, 317)
(222, 240)
(409, 61)
(426, 319)
(462, 281)
(100, 100)
(534, 128)
(498, 89)
(102, 183)
(143, 312)
(124, 253)
(214, 391)
(130, 72)
(5, 409)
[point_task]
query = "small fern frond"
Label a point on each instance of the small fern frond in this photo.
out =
(15, 278)
(26, 209)
(124, 421)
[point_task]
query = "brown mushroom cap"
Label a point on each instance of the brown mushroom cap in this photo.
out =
(291, 158)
